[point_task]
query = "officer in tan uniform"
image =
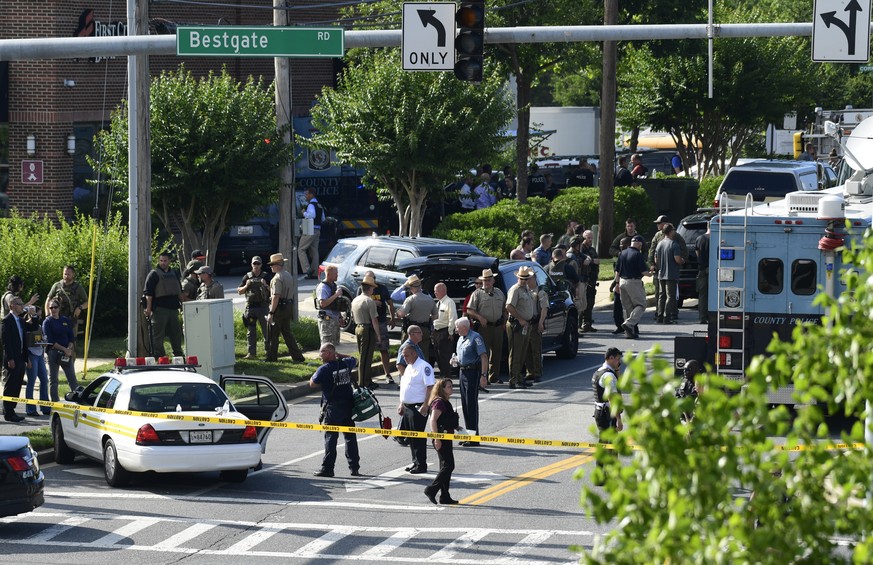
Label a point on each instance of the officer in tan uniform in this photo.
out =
(520, 306)
(534, 361)
(487, 306)
(366, 330)
(418, 309)
(279, 317)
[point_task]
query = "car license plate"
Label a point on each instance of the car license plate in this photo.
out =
(201, 436)
(245, 230)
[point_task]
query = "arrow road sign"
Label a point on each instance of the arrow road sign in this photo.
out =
(427, 28)
(841, 31)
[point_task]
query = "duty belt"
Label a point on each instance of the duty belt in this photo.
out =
(427, 323)
(495, 324)
(470, 366)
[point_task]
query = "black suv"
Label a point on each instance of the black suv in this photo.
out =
(458, 273)
(691, 228)
(382, 254)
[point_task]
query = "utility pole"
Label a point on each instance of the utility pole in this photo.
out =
(607, 134)
(139, 177)
(287, 204)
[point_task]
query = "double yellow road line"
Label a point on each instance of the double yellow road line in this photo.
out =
(530, 477)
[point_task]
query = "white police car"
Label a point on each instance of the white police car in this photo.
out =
(140, 441)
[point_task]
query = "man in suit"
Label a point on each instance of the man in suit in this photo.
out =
(15, 357)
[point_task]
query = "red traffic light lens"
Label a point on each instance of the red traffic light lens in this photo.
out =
(470, 16)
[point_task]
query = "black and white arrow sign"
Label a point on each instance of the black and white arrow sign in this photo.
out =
(428, 36)
(841, 31)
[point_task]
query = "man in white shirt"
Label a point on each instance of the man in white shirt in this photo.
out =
(444, 329)
(416, 384)
(307, 249)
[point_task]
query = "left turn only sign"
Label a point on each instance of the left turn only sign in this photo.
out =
(428, 36)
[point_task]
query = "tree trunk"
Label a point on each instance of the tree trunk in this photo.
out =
(522, 139)
(607, 135)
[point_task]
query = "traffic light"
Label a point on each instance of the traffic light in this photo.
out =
(470, 41)
(798, 144)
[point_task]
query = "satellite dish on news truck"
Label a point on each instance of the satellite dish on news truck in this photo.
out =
(859, 147)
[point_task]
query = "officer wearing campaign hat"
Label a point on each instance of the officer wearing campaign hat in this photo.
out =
(367, 330)
(486, 307)
(418, 309)
(280, 313)
(521, 307)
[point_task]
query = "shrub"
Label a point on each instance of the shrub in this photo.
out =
(706, 192)
(37, 249)
(496, 230)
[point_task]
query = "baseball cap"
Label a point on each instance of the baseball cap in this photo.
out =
(198, 254)
(638, 238)
(662, 219)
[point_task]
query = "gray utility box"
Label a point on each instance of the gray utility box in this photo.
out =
(209, 335)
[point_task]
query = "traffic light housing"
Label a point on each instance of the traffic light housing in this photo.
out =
(798, 144)
(470, 41)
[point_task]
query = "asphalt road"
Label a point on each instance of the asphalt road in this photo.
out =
(518, 503)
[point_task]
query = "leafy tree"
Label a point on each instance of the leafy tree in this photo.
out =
(682, 495)
(410, 131)
(214, 149)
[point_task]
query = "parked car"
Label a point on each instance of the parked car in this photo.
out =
(129, 444)
(459, 273)
(242, 242)
(767, 180)
(355, 256)
(691, 228)
(22, 483)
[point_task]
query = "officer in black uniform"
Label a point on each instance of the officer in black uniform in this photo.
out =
(605, 385)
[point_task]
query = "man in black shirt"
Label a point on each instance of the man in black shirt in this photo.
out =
(631, 268)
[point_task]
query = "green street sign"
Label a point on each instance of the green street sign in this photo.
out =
(252, 41)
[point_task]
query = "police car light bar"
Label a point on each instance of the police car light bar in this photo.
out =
(165, 361)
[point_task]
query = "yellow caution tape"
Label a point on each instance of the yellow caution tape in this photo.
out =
(72, 408)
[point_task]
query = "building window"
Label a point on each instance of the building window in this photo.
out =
(771, 273)
(804, 277)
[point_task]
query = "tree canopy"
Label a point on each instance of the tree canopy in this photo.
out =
(412, 132)
(215, 150)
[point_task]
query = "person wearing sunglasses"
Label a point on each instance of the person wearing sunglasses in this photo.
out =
(58, 334)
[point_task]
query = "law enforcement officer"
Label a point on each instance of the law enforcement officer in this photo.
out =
(418, 309)
(163, 291)
(366, 331)
(387, 317)
(520, 307)
(191, 282)
(582, 264)
(660, 222)
(534, 359)
(416, 385)
(337, 398)
(486, 306)
(604, 382)
(71, 296)
(473, 373)
(328, 298)
(209, 287)
(443, 329)
(256, 286)
(413, 340)
(279, 315)
(631, 268)
(593, 274)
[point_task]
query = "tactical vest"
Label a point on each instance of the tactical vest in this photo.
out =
(168, 284)
(556, 270)
(334, 306)
(597, 387)
(258, 293)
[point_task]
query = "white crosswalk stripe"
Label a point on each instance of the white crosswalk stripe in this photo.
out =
(316, 542)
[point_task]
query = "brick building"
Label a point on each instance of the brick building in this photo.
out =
(50, 110)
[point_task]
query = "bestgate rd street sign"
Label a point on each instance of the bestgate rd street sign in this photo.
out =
(243, 41)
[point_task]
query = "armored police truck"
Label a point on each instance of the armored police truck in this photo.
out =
(768, 262)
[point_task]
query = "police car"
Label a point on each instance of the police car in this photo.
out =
(139, 440)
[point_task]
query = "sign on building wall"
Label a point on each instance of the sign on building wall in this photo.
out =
(31, 172)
